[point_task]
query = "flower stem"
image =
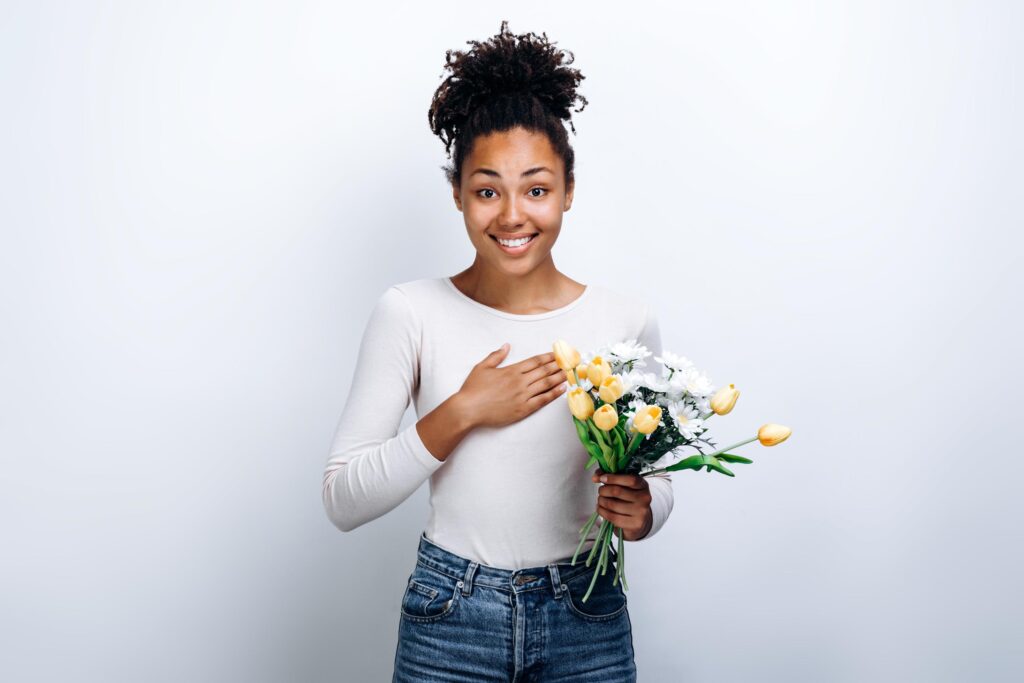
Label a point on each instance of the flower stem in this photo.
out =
(584, 530)
(602, 562)
(719, 451)
(597, 542)
(621, 561)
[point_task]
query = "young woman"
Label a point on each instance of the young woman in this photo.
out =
(493, 596)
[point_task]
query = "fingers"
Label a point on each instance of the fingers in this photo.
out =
(533, 362)
(632, 481)
(632, 525)
(624, 493)
(619, 507)
(546, 397)
(548, 370)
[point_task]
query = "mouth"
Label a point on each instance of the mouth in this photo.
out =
(518, 246)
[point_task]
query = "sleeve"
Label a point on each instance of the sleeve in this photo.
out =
(662, 498)
(372, 467)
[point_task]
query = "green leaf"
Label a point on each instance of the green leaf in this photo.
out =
(694, 462)
(729, 457)
(714, 464)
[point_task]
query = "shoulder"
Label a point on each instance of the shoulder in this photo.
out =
(421, 292)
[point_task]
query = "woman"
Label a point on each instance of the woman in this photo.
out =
(493, 596)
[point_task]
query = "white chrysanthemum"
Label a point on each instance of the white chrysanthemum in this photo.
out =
(585, 384)
(677, 386)
(653, 382)
(629, 350)
(674, 362)
(686, 418)
(703, 404)
(631, 381)
(698, 384)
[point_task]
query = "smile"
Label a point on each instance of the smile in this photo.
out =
(516, 246)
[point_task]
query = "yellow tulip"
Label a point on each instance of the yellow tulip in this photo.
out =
(771, 434)
(647, 419)
(580, 403)
(598, 370)
(605, 417)
(611, 389)
(581, 370)
(724, 399)
(571, 378)
(566, 356)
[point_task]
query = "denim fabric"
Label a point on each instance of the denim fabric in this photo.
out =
(464, 621)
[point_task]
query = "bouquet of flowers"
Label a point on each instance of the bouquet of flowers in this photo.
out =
(619, 410)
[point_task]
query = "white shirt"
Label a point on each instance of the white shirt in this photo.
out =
(510, 497)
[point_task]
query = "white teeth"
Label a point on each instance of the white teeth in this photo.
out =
(516, 243)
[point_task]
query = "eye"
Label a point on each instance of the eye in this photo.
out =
(538, 195)
(486, 189)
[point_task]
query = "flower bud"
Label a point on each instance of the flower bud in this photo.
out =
(647, 419)
(566, 356)
(581, 370)
(611, 389)
(771, 434)
(605, 417)
(724, 399)
(598, 370)
(580, 403)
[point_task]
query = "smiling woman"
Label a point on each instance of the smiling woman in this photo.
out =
(494, 594)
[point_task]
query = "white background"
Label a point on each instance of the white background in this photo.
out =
(201, 201)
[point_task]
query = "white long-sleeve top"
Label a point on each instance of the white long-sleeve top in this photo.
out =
(510, 497)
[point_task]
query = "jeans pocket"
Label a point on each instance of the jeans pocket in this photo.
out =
(605, 601)
(429, 595)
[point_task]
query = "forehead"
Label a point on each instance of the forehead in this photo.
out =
(513, 150)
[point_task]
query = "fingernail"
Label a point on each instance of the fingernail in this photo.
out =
(604, 477)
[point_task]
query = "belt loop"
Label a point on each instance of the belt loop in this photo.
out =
(556, 581)
(467, 582)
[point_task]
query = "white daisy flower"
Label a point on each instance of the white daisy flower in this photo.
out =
(698, 384)
(674, 362)
(628, 351)
(687, 419)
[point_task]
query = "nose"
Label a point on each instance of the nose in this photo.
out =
(511, 214)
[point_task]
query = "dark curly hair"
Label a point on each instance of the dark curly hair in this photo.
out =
(507, 81)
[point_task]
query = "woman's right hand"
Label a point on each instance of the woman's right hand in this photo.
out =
(495, 396)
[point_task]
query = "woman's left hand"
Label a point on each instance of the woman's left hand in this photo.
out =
(625, 501)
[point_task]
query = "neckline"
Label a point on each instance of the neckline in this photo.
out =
(519, 316)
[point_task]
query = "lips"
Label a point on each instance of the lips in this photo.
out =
(515, 250)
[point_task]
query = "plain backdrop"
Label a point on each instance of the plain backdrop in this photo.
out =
(200, 202)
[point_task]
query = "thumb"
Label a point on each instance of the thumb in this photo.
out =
(494, 357)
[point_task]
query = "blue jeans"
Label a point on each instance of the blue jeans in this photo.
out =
(465, 621)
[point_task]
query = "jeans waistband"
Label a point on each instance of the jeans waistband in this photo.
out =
(469, 572)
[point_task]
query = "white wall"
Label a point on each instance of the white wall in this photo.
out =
(201, 201)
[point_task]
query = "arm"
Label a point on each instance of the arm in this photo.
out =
(372, 466)
(662, 498)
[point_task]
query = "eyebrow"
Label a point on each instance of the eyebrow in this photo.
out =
(528, 172)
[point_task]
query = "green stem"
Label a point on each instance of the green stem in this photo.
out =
(620, 561)
(597, 542)
(583, 535)
(608, 458)
(602, 539)
(719, 451)
(602, 562)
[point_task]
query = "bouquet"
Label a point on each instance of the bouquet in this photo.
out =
(619, 411)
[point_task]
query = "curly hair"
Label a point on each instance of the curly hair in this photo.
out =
(506, 81)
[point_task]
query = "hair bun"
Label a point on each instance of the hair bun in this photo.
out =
(505, 66)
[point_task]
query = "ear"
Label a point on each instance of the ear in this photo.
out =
(568, 195)
(457, 196)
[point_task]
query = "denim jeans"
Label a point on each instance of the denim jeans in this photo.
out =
(465, 621)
